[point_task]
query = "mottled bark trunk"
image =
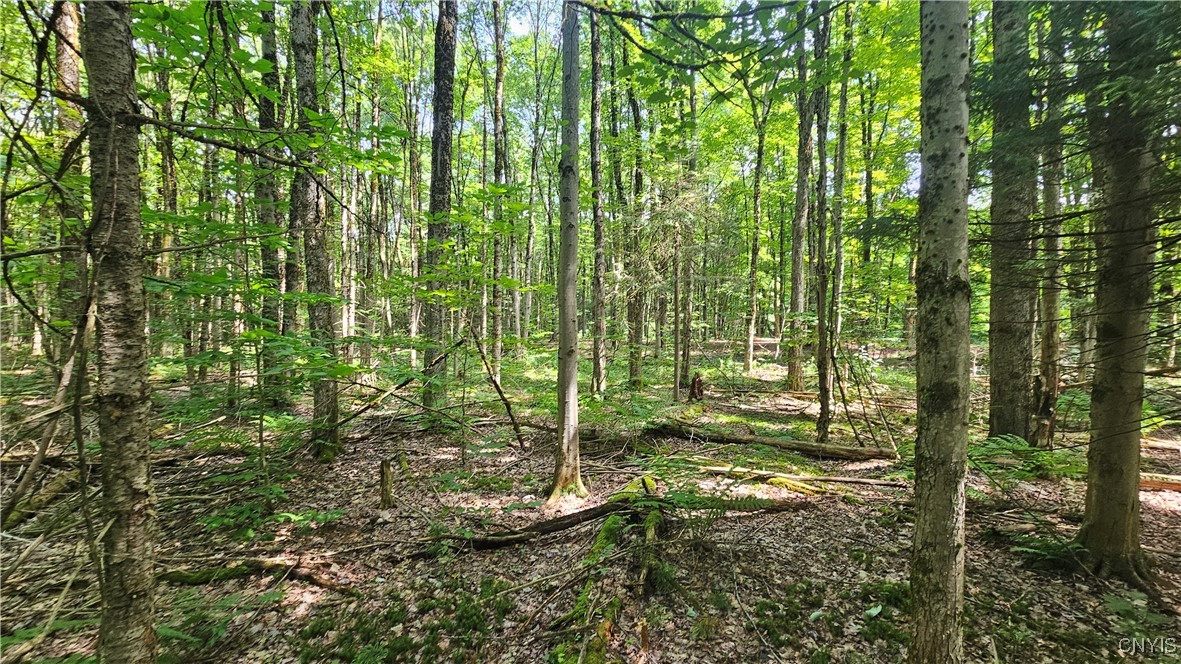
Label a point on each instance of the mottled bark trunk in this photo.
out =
(306, 213)
(943, 331)
(127, 631)
(1124, 242)
(567, 472)
(1014, 180)
(439, 219)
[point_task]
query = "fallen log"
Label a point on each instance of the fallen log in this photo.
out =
(770, 474)
(26, 509)
(1158, 482)
(681, 430)
(620, 502)
(1158, 444)
(240, 568)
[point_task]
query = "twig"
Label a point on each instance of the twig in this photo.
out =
(508, 407)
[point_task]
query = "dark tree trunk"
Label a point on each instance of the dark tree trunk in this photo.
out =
(439, 219)
(1124, 242)
(1014, 180)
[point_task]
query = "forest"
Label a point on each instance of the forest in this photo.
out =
(590, 331)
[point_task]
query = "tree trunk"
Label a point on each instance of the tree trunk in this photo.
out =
(823, 353)
(439, 213)
(1051, 309)
(838, 188)
(127, 630)
(71, 284)
(1124, 242)
(799, 222)
(266, 198)
(599, 286)
(943, 331)
(752, 283)
(499, 178)
(1014, 179)
(635, 291)
(567, 472)
(306, 214)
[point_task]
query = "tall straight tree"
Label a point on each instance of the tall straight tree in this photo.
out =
(499, 177)
(1014, 180)
(799, 220)
(1124, 242)
(307, 215)
(599, 286)
(567, 471)
(943, 336)
(439, 221)
(127, 632)
(820, 99)
(1046, 399)
(266, 197)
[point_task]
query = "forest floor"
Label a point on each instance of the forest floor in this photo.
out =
(281, 559)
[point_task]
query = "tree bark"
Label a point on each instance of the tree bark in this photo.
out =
(1014, 180)
(306, 213)
(823, 353)
(439, 211)
(499, 177)
(1051, 307)
(799, 222)
(567, 471)
(943, 336)
(127, 630)
(266, 198)
(1124, 242)
(599, 285)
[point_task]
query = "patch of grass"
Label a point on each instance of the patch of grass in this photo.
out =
(782, 620)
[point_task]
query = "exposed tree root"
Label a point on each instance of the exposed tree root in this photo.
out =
(683, 430)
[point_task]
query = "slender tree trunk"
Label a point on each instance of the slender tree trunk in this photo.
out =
(1124, 242)
(823, 352)
(127, 629)
(868, 98)
(1014, 179)
(799, 222)
(266, 198)
(838, 188)
(752, 283)
(306, 213)
(70, 208)
(944, 292)
(635, 291)
(687, 264)
(599, 286)
(499, 178)
(567, 472)
(439, 212)
(1051, 308)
